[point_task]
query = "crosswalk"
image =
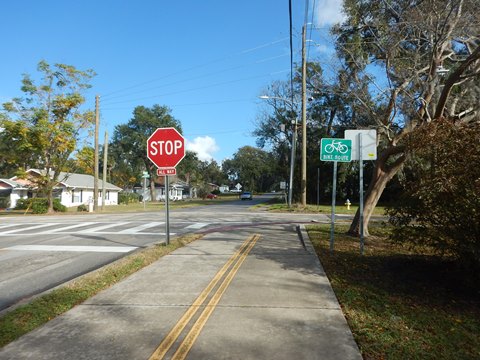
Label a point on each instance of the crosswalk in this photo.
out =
(76, 248)
(91, 227)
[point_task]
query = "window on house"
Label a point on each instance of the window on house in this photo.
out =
(57, 193)
(76, 196)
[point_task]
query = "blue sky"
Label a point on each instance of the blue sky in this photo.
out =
(206, 60)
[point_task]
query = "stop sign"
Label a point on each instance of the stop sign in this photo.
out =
(166, 147)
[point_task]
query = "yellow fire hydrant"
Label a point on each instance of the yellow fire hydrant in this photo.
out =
(348, 203)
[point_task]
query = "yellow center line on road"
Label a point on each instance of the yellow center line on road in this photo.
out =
(194, 332)
(173, 335)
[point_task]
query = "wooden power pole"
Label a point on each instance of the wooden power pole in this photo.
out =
(104, 178)
(303, 183)
(95, 175)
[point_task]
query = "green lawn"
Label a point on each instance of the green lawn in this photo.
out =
(340, 208)
(401, 304)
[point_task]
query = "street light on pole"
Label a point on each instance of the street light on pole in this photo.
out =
(294, 141)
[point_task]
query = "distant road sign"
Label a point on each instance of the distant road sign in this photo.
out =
(336, 150)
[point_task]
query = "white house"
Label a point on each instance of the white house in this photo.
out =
(72, 189)
(13, 190)
(176, 191)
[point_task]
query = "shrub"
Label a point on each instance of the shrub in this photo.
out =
(23, 204)
(440, 207)
(58, 206)
(216, 192)
(127, 198)
(82, 207)
(39, 205)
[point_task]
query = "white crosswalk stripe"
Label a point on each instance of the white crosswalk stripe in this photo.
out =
(139, 228)
(61, 229)
(89, 227)
(196, 226)
(3, 226)
(28, 228)
(107, 226)
(116, 249)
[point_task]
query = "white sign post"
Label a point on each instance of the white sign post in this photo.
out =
(364, 147)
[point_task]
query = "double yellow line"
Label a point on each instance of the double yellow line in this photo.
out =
(227, 272)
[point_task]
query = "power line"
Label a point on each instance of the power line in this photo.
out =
(193, 104)
(194, 78)
(194, 67)
(197, 88)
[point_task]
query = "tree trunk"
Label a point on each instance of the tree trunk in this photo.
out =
(50, 201)
(152, 189)
(382, 174)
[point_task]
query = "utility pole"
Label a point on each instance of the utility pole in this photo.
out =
(292, 162)
(303, 184)
(95, 175)
(104, 178)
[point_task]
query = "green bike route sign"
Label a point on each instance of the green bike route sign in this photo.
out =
(336, 150)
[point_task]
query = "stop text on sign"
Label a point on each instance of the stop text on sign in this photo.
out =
(165, 147)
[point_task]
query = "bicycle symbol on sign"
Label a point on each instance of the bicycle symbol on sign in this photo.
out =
(336, 146)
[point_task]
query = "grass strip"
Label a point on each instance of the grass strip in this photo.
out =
(401, 304)
(322, 208)
(46, 307)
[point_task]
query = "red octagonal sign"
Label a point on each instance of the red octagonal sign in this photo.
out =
(166, 147)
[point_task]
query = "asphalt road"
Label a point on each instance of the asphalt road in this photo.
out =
(41, 252)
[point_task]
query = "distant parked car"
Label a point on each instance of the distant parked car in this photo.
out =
(211, 196)
(246, 195)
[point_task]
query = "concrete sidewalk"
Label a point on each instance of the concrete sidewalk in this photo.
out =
(249, 297)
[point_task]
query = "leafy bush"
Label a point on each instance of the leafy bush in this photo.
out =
(39, 205)
(82, 207)
(23, 204)
(216, 192)
(58, 206)
(440, 207)
(4, 202)
(127, 198)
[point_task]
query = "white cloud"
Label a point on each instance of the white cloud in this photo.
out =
(204, 146)
(328, 12)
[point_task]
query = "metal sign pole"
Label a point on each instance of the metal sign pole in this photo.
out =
(334, 195)
(144, 191)
(361, 191)
(167, 210)
(318, 186)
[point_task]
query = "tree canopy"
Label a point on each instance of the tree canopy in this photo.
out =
(42, 129)
(129, 141)
(252, 167)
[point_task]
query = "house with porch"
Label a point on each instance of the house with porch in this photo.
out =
(72, 189)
